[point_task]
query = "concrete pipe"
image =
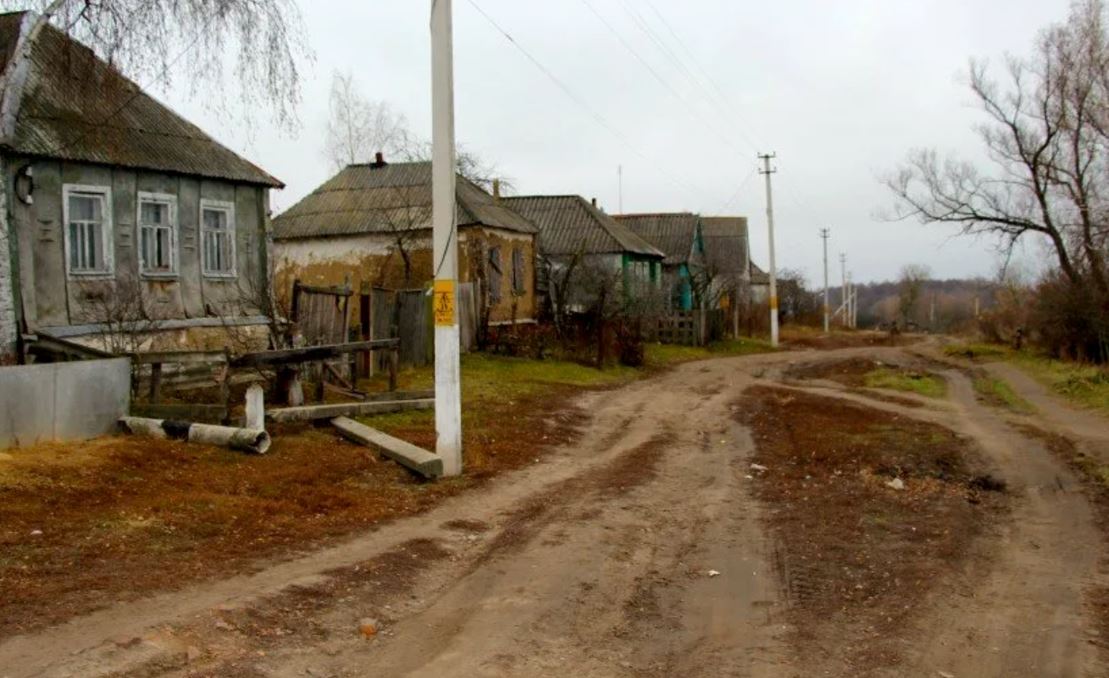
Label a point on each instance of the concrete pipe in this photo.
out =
(254, 441)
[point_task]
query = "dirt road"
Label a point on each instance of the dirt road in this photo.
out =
(640, 550)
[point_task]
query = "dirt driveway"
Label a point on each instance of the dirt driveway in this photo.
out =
(643, 549)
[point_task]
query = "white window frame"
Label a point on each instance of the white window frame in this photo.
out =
(229, 208)
(107, 229)
(171, 202)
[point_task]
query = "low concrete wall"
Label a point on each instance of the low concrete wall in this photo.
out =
(63, 401)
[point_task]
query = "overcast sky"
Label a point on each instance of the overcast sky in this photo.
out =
(839, 90)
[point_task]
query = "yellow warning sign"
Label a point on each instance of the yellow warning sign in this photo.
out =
(444, 302)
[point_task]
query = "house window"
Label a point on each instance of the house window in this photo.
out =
(88, 229)
(157, 234)
(518, 287)
(217, 238)
(495, 273)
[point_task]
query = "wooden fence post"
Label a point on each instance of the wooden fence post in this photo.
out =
(155, 382)
(394, 365)
(365, 324)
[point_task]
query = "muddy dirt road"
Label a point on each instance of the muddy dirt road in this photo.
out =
(639, 551)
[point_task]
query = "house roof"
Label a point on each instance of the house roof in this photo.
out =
(370, 198)
(759, 276)
(569, 224)
(672, 233)
(72, 105)
(725, 244)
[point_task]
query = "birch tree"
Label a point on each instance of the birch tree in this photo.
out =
(251, 47)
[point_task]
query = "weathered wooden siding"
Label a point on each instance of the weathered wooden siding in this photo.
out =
(51, 299)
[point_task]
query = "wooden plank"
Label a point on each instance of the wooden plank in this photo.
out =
(56, 345)
(337, 291)
(404, 453)
(308, 354)
(330, 411)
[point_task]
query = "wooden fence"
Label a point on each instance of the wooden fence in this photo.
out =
(406, 315)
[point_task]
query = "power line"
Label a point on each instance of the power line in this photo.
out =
(693, 60)
(662, 81)
(739, 189)
(692, 77)
(597, 117)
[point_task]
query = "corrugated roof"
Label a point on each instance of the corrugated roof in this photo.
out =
(672, 233)
(569, 224)
(759, 276)
(75, 106)
(725, 244)
(384, 199)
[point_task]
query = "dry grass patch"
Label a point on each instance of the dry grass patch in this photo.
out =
(84, 525)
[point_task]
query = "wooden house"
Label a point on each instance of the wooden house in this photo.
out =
(121, 217)
(370, 225)
(575, 232)
(680, 237)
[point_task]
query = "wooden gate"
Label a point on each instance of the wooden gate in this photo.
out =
(322, 314)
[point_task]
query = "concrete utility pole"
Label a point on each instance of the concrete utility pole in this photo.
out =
(620, 179)
(767, 171)
(850, 301)
(824, 235)
(448, 390)
(843, 286)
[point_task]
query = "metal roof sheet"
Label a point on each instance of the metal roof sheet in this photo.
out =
(75, 106)
(569, 224)
(368, 198)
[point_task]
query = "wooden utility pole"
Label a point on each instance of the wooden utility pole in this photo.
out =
(767, 171)
(448, 390)
(824, 235)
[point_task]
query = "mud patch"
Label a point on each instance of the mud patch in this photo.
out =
(856, 553)
(465, 525)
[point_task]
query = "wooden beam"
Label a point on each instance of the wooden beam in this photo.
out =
(309, 354)
(330, 411)
(180, 357)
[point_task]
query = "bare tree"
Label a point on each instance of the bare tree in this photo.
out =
(909, 288)
(1047, 137)
(122, 311)
(358, 127)
(155, 42)
(407, 222)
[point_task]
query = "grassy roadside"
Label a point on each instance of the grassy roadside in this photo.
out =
(998, 393)
(909, 381)
(1084, 385)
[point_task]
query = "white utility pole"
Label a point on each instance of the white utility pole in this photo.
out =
(843, 286)
(824, 235)
(444, 239)
(766, 171)
(620, 179)
(849, 302)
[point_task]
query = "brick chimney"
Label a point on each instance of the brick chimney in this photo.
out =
(379, 161)
(496, 190)
(594, 201)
